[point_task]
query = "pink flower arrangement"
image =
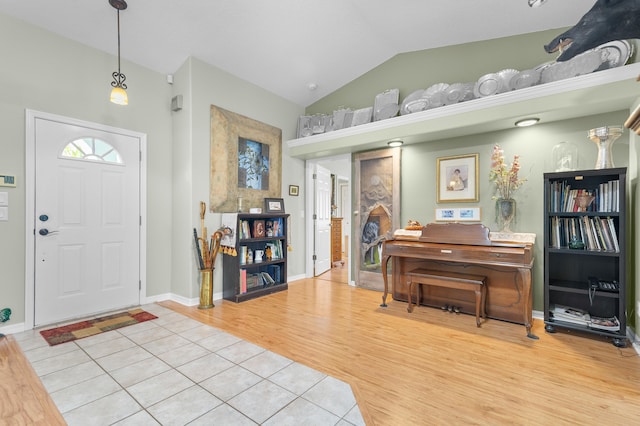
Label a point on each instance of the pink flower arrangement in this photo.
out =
(505, 178)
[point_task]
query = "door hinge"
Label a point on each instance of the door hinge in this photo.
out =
(140, 152)
(140, 220)
(314, 257)
(315, 176)
(139, 284)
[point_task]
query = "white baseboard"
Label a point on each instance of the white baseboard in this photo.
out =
(185, 301)
(296, 277)
(13, 328)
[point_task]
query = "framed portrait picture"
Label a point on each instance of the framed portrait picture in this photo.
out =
(274, 205)
(457, 179)
(294, 190)
(259, 229)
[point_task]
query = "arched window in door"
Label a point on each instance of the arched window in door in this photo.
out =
(91, 149)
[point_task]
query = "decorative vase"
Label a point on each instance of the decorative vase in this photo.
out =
(505, 212)
(584, 201)
(206, 289)
(565, 157)
(604, 137)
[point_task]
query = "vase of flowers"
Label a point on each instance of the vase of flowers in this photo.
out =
(506, 182)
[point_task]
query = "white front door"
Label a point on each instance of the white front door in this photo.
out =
(87, 221)
(322, 228)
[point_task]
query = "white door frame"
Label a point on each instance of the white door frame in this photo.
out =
(309, 210)
(30, 195)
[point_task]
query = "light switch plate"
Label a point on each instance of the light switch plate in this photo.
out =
(4, 214)
(4, 198)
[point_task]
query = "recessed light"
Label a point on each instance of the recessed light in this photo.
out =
(395, 143)
(312, 86)
(525, 122)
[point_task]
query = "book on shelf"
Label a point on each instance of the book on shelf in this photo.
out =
(570, 315)
(245, 232)
(609, 324)
(614, 235)
(243, 281)
(254, 281)
(268, 280)
(277, 227)
(274, 272)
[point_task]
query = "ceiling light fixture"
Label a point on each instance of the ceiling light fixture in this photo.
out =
(526, 122)
(395, 143)
(536, 3)
(119, 91)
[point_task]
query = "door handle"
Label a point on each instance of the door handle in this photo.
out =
(44, 232)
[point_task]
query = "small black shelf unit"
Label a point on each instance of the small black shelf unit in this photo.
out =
(568, 268)
(245, 279)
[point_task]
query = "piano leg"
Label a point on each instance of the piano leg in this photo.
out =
(525, 277)
(385, 260)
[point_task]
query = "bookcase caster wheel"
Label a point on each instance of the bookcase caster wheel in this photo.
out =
(549, 328)
(619, 343)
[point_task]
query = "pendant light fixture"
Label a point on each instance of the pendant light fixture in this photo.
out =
(119, 91)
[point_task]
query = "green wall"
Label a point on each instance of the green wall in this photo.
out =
(464, 63)
(52, 74)
(533, 145)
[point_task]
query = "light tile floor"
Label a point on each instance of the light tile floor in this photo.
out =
(176, 371)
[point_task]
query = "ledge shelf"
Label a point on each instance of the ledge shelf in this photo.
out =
(599, 92)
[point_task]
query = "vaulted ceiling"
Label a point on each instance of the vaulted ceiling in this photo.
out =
(288, 46)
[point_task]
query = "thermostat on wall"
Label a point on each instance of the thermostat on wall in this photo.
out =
(6, 180)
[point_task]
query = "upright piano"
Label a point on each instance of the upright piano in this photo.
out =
(463, 248)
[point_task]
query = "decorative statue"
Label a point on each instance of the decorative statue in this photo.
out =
(607, 20)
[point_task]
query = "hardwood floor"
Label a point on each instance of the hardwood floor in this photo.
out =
(23, 399)
(434, 367)
(428, 367)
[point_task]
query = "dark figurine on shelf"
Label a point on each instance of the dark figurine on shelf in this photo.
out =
(607, 20)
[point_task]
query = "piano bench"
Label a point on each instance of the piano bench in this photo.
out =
(475, 283)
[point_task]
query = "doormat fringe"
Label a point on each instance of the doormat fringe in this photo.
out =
(79, 330)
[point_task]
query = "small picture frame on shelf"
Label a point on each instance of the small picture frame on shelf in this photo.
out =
(294, 190)
(259, 229)
(274, 205)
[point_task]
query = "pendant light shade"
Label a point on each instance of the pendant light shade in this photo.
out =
(119, 91)
(119, 96)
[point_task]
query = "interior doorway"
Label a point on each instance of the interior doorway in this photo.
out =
(340, 170)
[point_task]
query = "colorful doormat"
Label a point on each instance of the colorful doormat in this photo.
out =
(67, 333)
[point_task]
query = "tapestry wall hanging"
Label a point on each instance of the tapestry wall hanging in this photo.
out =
(246, 162)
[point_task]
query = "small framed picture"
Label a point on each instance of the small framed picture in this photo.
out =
(259, 230)
(274, 205)
(464, 214)
(294, 190)
(457, 179)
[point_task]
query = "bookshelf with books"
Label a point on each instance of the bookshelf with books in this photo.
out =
(260, 268)
(585, 252)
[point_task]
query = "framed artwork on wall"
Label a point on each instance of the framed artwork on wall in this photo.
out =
(457, 179)
(245, 162)
(294, 190)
